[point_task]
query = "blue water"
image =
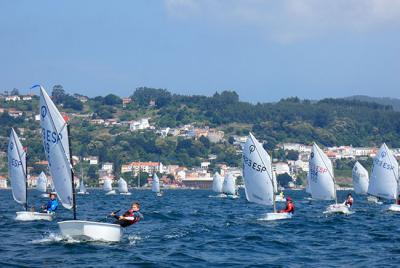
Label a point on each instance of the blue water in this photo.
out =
(189, 229)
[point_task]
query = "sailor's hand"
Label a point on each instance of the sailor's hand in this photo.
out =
(112, 214)
(121, 217)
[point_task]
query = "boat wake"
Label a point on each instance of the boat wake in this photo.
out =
(51, 238)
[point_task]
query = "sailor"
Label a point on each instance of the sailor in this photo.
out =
(398, 200)
(130, 217)
(349, 201)
(51, 205)
(289, 206)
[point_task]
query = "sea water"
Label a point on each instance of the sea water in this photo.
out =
(188, 228)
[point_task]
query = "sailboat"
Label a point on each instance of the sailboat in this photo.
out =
(82, 188)
(229, 186)
(155, 187)
(384, 177)
(360, 179)
(322, 181)
(107, 187)
(41, 185)
(56, 143)
(123, 187)
(218, 182)
(258, 180)
(17, 172)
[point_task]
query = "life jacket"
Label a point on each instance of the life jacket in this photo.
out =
(289, 207)
(349, 202)
(134, 214)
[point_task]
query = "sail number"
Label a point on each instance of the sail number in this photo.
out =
(16, 163)
(385, 165)
(253, 165)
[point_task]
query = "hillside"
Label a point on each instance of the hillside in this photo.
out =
(328, 122)
(395, 103)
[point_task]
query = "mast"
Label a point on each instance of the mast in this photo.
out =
(26, 179)
(72, 173)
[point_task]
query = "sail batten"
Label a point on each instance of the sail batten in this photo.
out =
(17, 168)
(257, 173)
(56, 147)
(322, 184)
(385, 174)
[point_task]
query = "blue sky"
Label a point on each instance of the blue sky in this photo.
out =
(263, 49)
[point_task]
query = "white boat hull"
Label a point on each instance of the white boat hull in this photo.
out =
(82, 192)
(394, 208)
(45, 195)
(125, 193)
(33, 216)
(337, 209)
(159, 194)
(273, 216)
(232, 196)
(89, 230)
(374, 199)
(111, 192)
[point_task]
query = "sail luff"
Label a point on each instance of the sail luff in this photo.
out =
(155, 187)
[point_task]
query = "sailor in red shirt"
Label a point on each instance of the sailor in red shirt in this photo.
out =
(349, 201)
(130, 217)
(289, 206)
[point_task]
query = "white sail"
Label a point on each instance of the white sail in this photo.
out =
(257, 173)
(384, 176)
(155, 187)
(41, 184)
(321, 175)
(218, 181)
(56, 148)
(17, 168)
(107, 186)
(360, 179)
(122, 186)
(82, 187)
(229, 185)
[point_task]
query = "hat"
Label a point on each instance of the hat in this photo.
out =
(288, 199)
(53, 193)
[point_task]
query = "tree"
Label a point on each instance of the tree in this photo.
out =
(112, 99)
(15, 91)
(292, 155)
(58, 93)
(284, 179)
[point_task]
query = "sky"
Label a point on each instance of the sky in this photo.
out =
(265, 50)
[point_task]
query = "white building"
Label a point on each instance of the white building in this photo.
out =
(107, 167)
(281, 168)
(296, 147)
(93, 160)
(139, 125)
(13, 98)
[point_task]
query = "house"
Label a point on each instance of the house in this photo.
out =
(109, 167)
(136, 167)
(204, 164)
(93, 160)
(215, 136)
(197, 178)
(14, 113)
(139, 125)
(126, 101)
(97, 121)
(3, 182)
(27, 98)
(281, 168)
(81, 98)
(13, 98)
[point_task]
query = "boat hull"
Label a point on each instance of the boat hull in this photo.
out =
(374, 199)
(337, 209)
(273, 216)
(82, 193)
(33, 216)
(45, 195)
(125, 193)
(111, 192)
(394, 208)
(89, 230)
